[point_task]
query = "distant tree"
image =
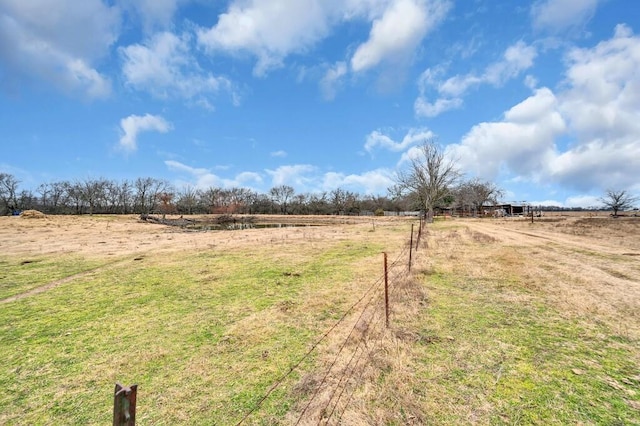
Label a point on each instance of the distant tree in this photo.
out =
(186, 203)
(299, 204)
(473, 194)
(166, 206)
(74, 196)
(429, 179)
(281, 196)
(8, 192)
(58, 197)
(338, 198)
(146, 193)
(125, 195)
(318, 203)
(44, 190)
(92, 193)
(26, 200)
(617, 200)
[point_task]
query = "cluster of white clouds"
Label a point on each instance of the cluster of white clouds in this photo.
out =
(303, 177)
(584, 133)
(516, 59)
(597, 108)
(59, 45)
(65, 41)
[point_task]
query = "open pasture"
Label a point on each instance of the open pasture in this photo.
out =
(501, 321)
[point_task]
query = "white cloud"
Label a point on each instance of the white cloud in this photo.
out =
(524, 142)
(245, 178)
(135, 124)
(202, 178)
(424, 108)
(583, 201)
(269, 30)
(397, 33)
(332, 80)
(585, 137)
(153, 13)
(516, 59)
(558, 15)
(58, 41)
(279, 154)
(165, 67)
(371, 182)
(247, 27)
(299, 175)
(413, 137)
(602, 106)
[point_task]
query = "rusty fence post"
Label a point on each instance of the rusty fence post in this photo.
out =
(386, 291)
(124, 405)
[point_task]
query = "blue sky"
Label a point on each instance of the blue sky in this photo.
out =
(541, 97)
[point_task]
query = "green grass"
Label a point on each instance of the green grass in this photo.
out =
(18, 275)
(492, 351)
(206, 333)
(203, 334)
(526, 362)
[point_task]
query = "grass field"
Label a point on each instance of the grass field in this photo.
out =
(500, 322)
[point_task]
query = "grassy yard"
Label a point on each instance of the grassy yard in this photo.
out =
(483, 332)
(495, 346)
(204, 333)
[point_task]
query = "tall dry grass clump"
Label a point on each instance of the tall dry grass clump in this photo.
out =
(32, 214)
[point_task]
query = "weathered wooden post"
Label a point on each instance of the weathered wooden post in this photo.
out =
(124, 405)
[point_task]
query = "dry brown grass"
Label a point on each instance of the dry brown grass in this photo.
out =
(502, 321)
(32, 214)
(452, 355)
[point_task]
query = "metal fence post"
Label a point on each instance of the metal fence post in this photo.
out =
(411, 248)
(124, 405)
(386, 291)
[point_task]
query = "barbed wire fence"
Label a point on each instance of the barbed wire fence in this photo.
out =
(332, 394)
(363, 323)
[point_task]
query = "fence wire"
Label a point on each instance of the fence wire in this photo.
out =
(375, 304)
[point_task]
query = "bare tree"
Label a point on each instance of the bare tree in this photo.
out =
(92, 192)
(318, 203)
(147, 191)
(44, 190)
(475, 194)
(58, 196)
(281, 196)
(429, 178)
(187, 200)
(8, 192)
(26, 200)
(618, 200)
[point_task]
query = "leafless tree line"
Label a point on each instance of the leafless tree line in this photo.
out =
(150, 195)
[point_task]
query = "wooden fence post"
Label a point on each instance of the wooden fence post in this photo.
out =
(124, 405)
